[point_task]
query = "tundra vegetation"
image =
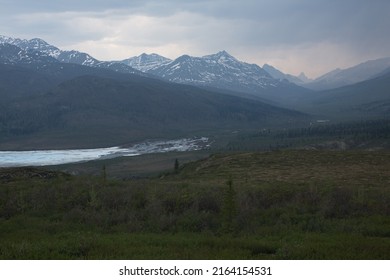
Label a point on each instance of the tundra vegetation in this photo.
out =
(285, 204)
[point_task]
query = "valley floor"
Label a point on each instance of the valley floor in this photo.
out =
(292, 204)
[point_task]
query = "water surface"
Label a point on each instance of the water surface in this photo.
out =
(55, 157)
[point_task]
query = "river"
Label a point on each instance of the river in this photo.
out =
(56, 157)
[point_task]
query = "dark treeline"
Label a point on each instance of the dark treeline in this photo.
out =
(372, 129)
(363, 134)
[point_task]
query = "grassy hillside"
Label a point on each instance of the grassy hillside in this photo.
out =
(268, 205)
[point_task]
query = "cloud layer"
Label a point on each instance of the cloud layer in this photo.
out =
(301, 35)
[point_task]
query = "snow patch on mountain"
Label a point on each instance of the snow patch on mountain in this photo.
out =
(43, 49)
(11, 54)
(35, 44)
(220, 70)
(146, 62)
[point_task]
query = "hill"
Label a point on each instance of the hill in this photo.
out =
(367, 99)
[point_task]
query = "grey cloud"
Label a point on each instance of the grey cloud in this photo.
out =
(279, 21)
(358, 27)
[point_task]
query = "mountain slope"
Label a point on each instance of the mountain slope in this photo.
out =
(224, 72)
(74, 57)
(77, 58)
(46, 103)
(277, 74)
(146, 62)
(221, 71)
(19, 82)
(12, 55)
(33, 44)
(218, 70)
(367, 99)
(26, 73)
(92, 111)
(361, 72)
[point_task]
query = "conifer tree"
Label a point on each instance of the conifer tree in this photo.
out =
(176, 167)
(104, 174)
(229, 207)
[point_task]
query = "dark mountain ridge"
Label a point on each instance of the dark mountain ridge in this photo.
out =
(364, 100)
(277, 74)
(355, 74)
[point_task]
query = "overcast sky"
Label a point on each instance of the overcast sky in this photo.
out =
(313, 36)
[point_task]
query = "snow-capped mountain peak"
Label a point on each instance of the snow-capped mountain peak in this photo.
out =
(11, 54)
(216, 70)
(146, 62)
(39, 47)
(7, 40)
(38, 43)
(77, 58)
(224, 55)
(35, 44)
(220, 70)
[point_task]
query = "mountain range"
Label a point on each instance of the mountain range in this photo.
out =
(57, 98)
(203, 71)
(219, 70)
(75, 57)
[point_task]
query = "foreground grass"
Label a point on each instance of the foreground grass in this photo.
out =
(48, 243)
(276, 205)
